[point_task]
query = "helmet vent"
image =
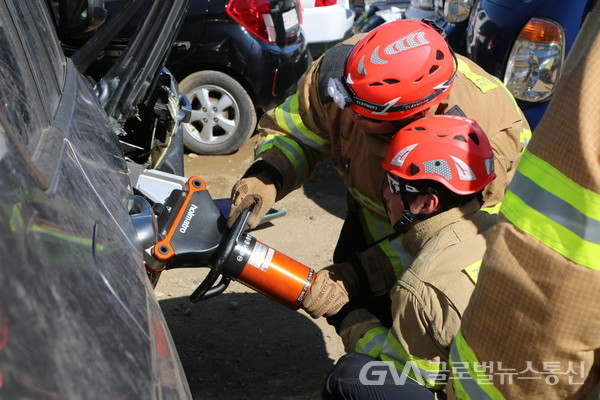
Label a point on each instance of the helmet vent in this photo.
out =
(433, 69)
(474, 138)
(414, 169)
(458, 137)
(419, 128)
(376, 84)
(439, 55)
(391, 81)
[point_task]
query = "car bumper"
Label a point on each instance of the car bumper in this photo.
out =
(273, 72)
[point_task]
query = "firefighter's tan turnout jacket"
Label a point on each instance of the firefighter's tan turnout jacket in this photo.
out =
(532, 327)
(429, 298)
(295, 135)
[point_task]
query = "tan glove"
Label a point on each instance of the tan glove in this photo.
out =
(258, 190)
(333, 288)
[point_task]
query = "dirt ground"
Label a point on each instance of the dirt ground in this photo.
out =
(242, 345)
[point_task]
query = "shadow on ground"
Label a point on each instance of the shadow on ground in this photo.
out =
(279, 353)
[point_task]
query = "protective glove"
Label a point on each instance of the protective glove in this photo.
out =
(258, 190)
(333, 288)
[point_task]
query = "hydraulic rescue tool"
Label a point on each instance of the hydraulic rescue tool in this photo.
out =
(193, 233)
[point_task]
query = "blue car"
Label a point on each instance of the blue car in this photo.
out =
(524, 43)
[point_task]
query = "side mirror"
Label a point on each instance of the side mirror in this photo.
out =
(80, 16)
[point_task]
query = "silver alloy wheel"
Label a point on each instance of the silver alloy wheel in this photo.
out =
(223, 114)
(215, 115)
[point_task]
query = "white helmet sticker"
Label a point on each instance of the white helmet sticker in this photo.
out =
(400, 157)
(465, 173)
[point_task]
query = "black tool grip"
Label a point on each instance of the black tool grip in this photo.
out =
(206, 289)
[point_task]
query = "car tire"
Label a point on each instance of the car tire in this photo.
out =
(223, 114)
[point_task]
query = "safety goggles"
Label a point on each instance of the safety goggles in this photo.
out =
(396, 185)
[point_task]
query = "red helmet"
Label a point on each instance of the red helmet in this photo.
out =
(398, 69)
(444, 148)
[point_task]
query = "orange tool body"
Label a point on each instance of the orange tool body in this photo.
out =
(195, 234)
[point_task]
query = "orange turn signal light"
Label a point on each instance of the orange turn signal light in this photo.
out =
(541, 31)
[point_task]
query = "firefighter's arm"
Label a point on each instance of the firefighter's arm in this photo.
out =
(422, 331)
(290, 144)
(356, 326)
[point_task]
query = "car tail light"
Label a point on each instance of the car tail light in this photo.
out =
(300, 12)
(254, 15)
(325, 3)
(535, 62)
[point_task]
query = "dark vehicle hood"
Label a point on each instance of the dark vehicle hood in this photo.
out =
(519, 5)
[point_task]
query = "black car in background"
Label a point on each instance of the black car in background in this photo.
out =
(524, 43)
(78, 315)
(234, 59)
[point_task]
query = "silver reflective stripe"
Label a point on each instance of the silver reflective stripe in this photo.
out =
(375, 341)
(555, 208)
(474, 391)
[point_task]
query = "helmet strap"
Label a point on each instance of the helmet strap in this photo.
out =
(408, 217)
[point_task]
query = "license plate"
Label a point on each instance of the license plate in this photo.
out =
(290, 19)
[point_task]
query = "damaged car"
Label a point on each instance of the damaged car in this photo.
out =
(78, 316)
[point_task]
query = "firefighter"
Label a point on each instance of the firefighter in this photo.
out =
(348, 105)
(532, 327)
(437, 168)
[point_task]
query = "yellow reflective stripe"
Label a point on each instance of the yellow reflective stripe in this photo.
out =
(547, 205)
(287, 116)
(493, 209)
(292, 151)
(372, 341)
(472, 271)
(476, 386)
(484, 84)
(430, 374)
(393, 250)
(525, 136)
(368, 203)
